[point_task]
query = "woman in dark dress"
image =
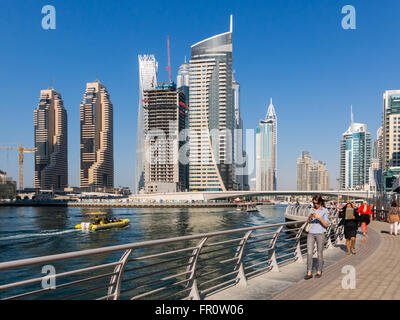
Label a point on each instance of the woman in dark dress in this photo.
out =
(349, 216)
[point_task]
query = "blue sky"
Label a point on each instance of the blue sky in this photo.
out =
(293, 51)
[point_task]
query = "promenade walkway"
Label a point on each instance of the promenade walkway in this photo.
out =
(377, 266)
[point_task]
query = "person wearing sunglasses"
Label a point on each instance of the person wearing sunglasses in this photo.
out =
(318, 220)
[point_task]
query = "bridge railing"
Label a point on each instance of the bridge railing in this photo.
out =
(334, 232)
(189, 267)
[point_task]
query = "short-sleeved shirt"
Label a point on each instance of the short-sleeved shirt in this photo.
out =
(316, 225)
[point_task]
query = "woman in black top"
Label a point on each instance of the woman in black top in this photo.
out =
(349, 216)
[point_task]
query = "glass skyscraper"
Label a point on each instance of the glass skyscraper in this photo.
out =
(266, 155)
(211, 115)
(355, 156)
(391, 137)
(148, 67)
(240, 158)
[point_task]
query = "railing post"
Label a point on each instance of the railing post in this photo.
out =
(299, 256)
(328, 233)
(116, 279)
(274, 263)
(192, 282)
(241, 279)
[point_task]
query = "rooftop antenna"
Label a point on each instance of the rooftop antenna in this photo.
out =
(231, 24)
(351, 114)
(169, 61)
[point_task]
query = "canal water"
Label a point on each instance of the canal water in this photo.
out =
(27, 232)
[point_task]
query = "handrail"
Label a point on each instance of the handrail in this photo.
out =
(178, 267)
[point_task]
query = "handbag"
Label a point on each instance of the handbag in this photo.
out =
(307, 228)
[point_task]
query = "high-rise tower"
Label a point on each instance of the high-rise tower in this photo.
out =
(391, 137)
(355, 156)
(148, 67)
(312, 175)
(240, 156)
(97, 155)
(211, 115)
(51, 156)
(266, 151)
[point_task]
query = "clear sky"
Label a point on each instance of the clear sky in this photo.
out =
(293, 51)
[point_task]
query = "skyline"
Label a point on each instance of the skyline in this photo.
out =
(359, 80)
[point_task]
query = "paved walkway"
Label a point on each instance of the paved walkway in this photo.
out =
(376, 265)
(377, 277)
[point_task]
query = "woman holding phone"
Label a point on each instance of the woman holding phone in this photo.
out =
(318, 220)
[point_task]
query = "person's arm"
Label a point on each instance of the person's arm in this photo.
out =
(322, 219)
(311, 215)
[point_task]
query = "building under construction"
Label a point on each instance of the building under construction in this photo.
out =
(165, 113)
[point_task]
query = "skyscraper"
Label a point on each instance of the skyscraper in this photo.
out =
(375, 170)
(183, 83)
(97, 154)
(165, 114)
(303, 171)
(240, 156)
(391, 137)
(266, 151)
(183, 75)
(148, 67)
(355, 156)
(211, 115)
(51, 143)
(312, 175)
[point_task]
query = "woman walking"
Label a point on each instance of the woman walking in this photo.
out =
(393, 218)
(349, 216)
(318, 220)
(365, 216)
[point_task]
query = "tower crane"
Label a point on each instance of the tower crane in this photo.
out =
(169, 61)
(21, 151)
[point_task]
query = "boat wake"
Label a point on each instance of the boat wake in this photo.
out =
(35, 235)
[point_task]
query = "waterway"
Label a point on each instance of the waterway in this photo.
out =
(27, 232)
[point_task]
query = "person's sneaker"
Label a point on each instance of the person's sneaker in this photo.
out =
(318, 275)
(307, 276)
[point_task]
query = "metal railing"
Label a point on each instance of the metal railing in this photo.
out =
(189, 267)
(304, 210)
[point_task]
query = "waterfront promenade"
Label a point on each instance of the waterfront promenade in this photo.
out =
(377, 266)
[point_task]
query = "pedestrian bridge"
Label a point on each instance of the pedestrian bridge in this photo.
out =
(216, 195)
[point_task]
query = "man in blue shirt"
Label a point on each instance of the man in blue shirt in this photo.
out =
(318, 220)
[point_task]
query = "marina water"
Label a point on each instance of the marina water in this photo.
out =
(27, 232)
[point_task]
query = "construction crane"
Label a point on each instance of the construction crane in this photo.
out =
(169, 61)
(21, 151)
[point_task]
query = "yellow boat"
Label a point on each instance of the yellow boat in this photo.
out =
(102, 225)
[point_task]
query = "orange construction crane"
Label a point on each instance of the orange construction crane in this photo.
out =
(21, 151)
(169, 61)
